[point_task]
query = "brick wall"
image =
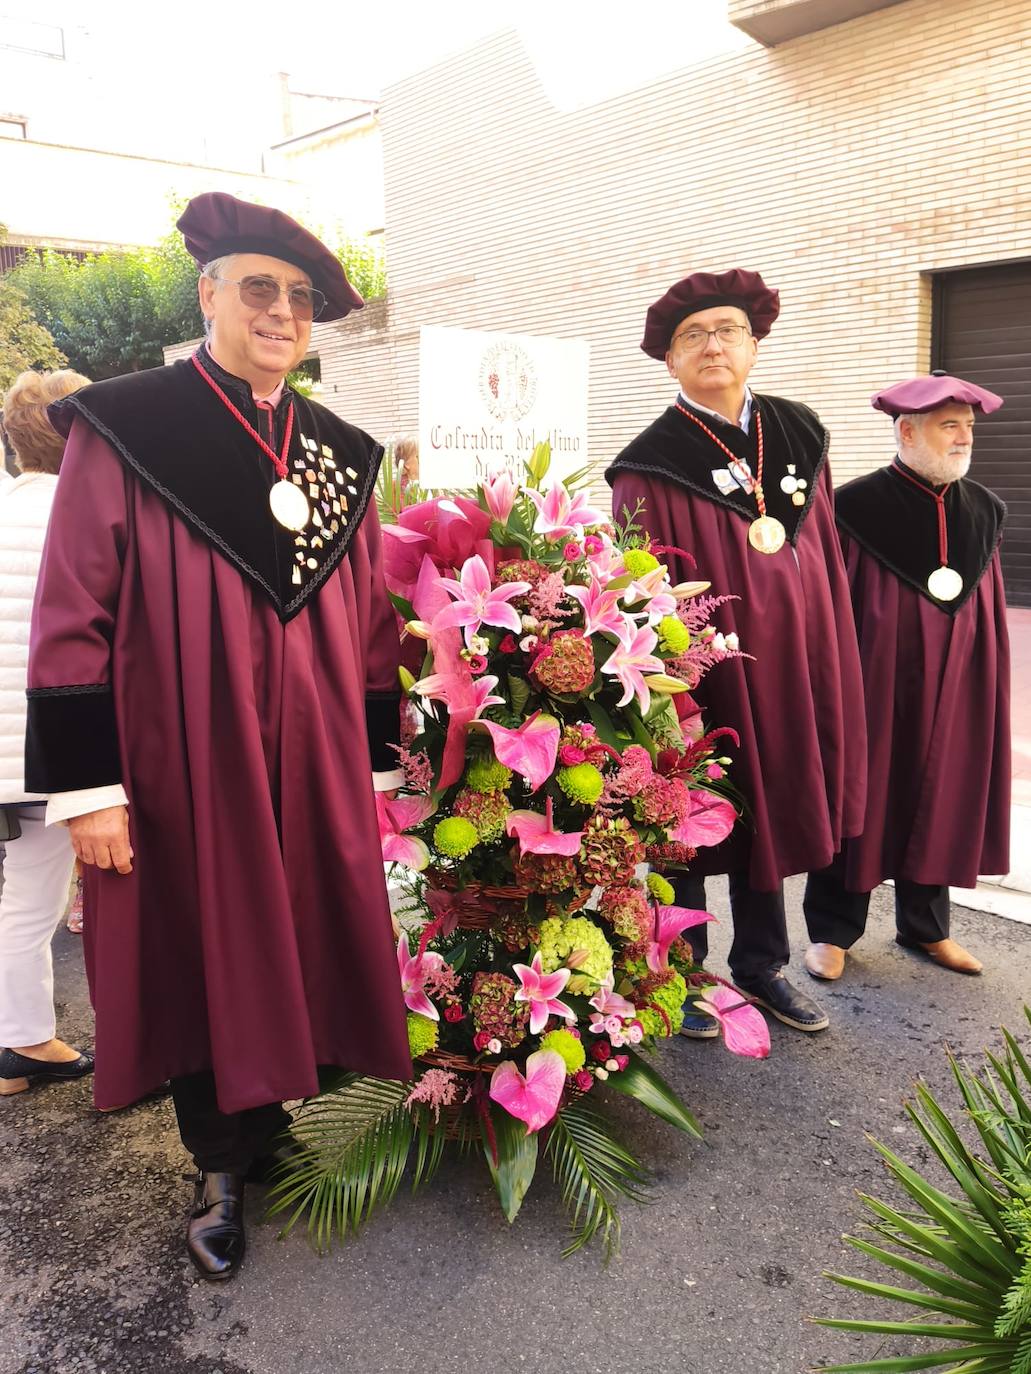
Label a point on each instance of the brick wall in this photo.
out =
(846, 166)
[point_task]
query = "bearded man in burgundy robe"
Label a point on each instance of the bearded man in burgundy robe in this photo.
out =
(740, 482)
(212, 681)
(921, 543)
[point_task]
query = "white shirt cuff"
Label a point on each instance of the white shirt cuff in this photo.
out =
(65, 806)
(386, 782)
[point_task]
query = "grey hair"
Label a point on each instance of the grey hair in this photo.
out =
(214, 270)
(915, 418)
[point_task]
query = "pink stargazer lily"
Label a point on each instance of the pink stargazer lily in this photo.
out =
(414, 973)
(600, 608)
(499, 492)
(397, 816)
(711, 819)
(541, 990)
(654, 590)
(531, 750)
(744, 1028)
(559, 514)
(670, 924)
(608, 1002)
(532, 1098)
(537, 835)
(477, 603)
(460, 688)
(631, 659)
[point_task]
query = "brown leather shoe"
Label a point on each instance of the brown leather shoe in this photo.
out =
(948, 953)
(825, 961)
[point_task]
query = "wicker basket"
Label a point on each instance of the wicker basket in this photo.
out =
(481, 906)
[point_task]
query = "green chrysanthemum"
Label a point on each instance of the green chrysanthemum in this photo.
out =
(674, 636)
(568, 1046)
(660, 889)
(455, 837)
(487, 774)
(582, 783)
(639, 561)
(422, 1034)
(665, 990)
(580, 937)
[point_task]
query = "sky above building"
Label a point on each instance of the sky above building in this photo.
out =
(198, 81)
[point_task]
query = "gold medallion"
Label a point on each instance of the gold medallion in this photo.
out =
(289, 505)
(766, 535)
(945, 584)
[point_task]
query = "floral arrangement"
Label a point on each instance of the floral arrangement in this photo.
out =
(550, 784)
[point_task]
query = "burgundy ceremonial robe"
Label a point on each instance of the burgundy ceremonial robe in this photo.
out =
(174, 650)
(797, 703)
(937, 684)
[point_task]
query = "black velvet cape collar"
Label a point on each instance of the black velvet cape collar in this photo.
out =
(897, 524)
(174, 433)
(675, 449)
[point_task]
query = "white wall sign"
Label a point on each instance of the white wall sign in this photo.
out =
(486, 400)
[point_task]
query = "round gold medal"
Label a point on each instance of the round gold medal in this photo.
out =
(945, 584)
(766, 535)
(289, 505)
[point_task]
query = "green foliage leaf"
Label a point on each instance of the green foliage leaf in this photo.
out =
(513, 1170)
(592, 1170)
(640, 1081)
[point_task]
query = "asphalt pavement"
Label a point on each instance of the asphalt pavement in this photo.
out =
(716, 1275)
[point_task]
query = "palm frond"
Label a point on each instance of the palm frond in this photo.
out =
(592, 1170)
(359, 1137)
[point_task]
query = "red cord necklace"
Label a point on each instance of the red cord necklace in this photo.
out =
(767, 534)
(945, 583)
(288, 503)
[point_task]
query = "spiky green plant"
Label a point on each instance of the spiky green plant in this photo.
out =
(967, 1250)
(592, 1171)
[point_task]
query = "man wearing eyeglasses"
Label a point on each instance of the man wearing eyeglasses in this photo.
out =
(740, 482)
(213, 682)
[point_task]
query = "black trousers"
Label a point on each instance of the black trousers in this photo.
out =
(760, 943)
(835, 916)
(223, 1142)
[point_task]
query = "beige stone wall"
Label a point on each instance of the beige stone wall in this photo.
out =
(846, 166)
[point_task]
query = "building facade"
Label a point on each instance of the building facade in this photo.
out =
(875, 170)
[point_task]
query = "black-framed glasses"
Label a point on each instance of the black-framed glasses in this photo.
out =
(306, 302)
(730, 335)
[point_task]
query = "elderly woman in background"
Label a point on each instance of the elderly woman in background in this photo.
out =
(38, 861)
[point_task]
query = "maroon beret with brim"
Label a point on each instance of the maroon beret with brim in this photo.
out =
(215, 224)
(921, 394)
(700, 291)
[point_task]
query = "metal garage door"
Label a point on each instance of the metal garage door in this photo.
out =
(982, 331)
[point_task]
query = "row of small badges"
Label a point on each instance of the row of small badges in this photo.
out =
(319, 477)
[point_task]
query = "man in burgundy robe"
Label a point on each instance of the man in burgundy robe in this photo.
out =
(212, 681)
(741, 483)
(921, 543)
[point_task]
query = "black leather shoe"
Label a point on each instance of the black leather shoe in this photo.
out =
(269, 1167)
(18, 1070)
(785, 1002)
(215, 1238)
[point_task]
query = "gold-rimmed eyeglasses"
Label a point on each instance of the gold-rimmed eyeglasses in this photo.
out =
(306, 302)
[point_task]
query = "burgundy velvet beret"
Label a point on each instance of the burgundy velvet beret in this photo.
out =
(215, 224)
(699, 291)
(921, 394)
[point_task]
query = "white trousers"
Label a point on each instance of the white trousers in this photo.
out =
(37, 873)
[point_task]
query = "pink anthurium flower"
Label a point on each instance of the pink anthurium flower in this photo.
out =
(600, 608)
(632, 658)
(499, 492)
(559, 514)
(608, 1002)
(477, 603)
(397, 816)
(710, 820)
(537, 835)
(532, 1098)
(414, 973)
(531, 750)
(460, 689)
(541, 990)
(744, 1028)
(670, 924)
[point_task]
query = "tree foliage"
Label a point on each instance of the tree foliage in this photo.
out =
(24, 342)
